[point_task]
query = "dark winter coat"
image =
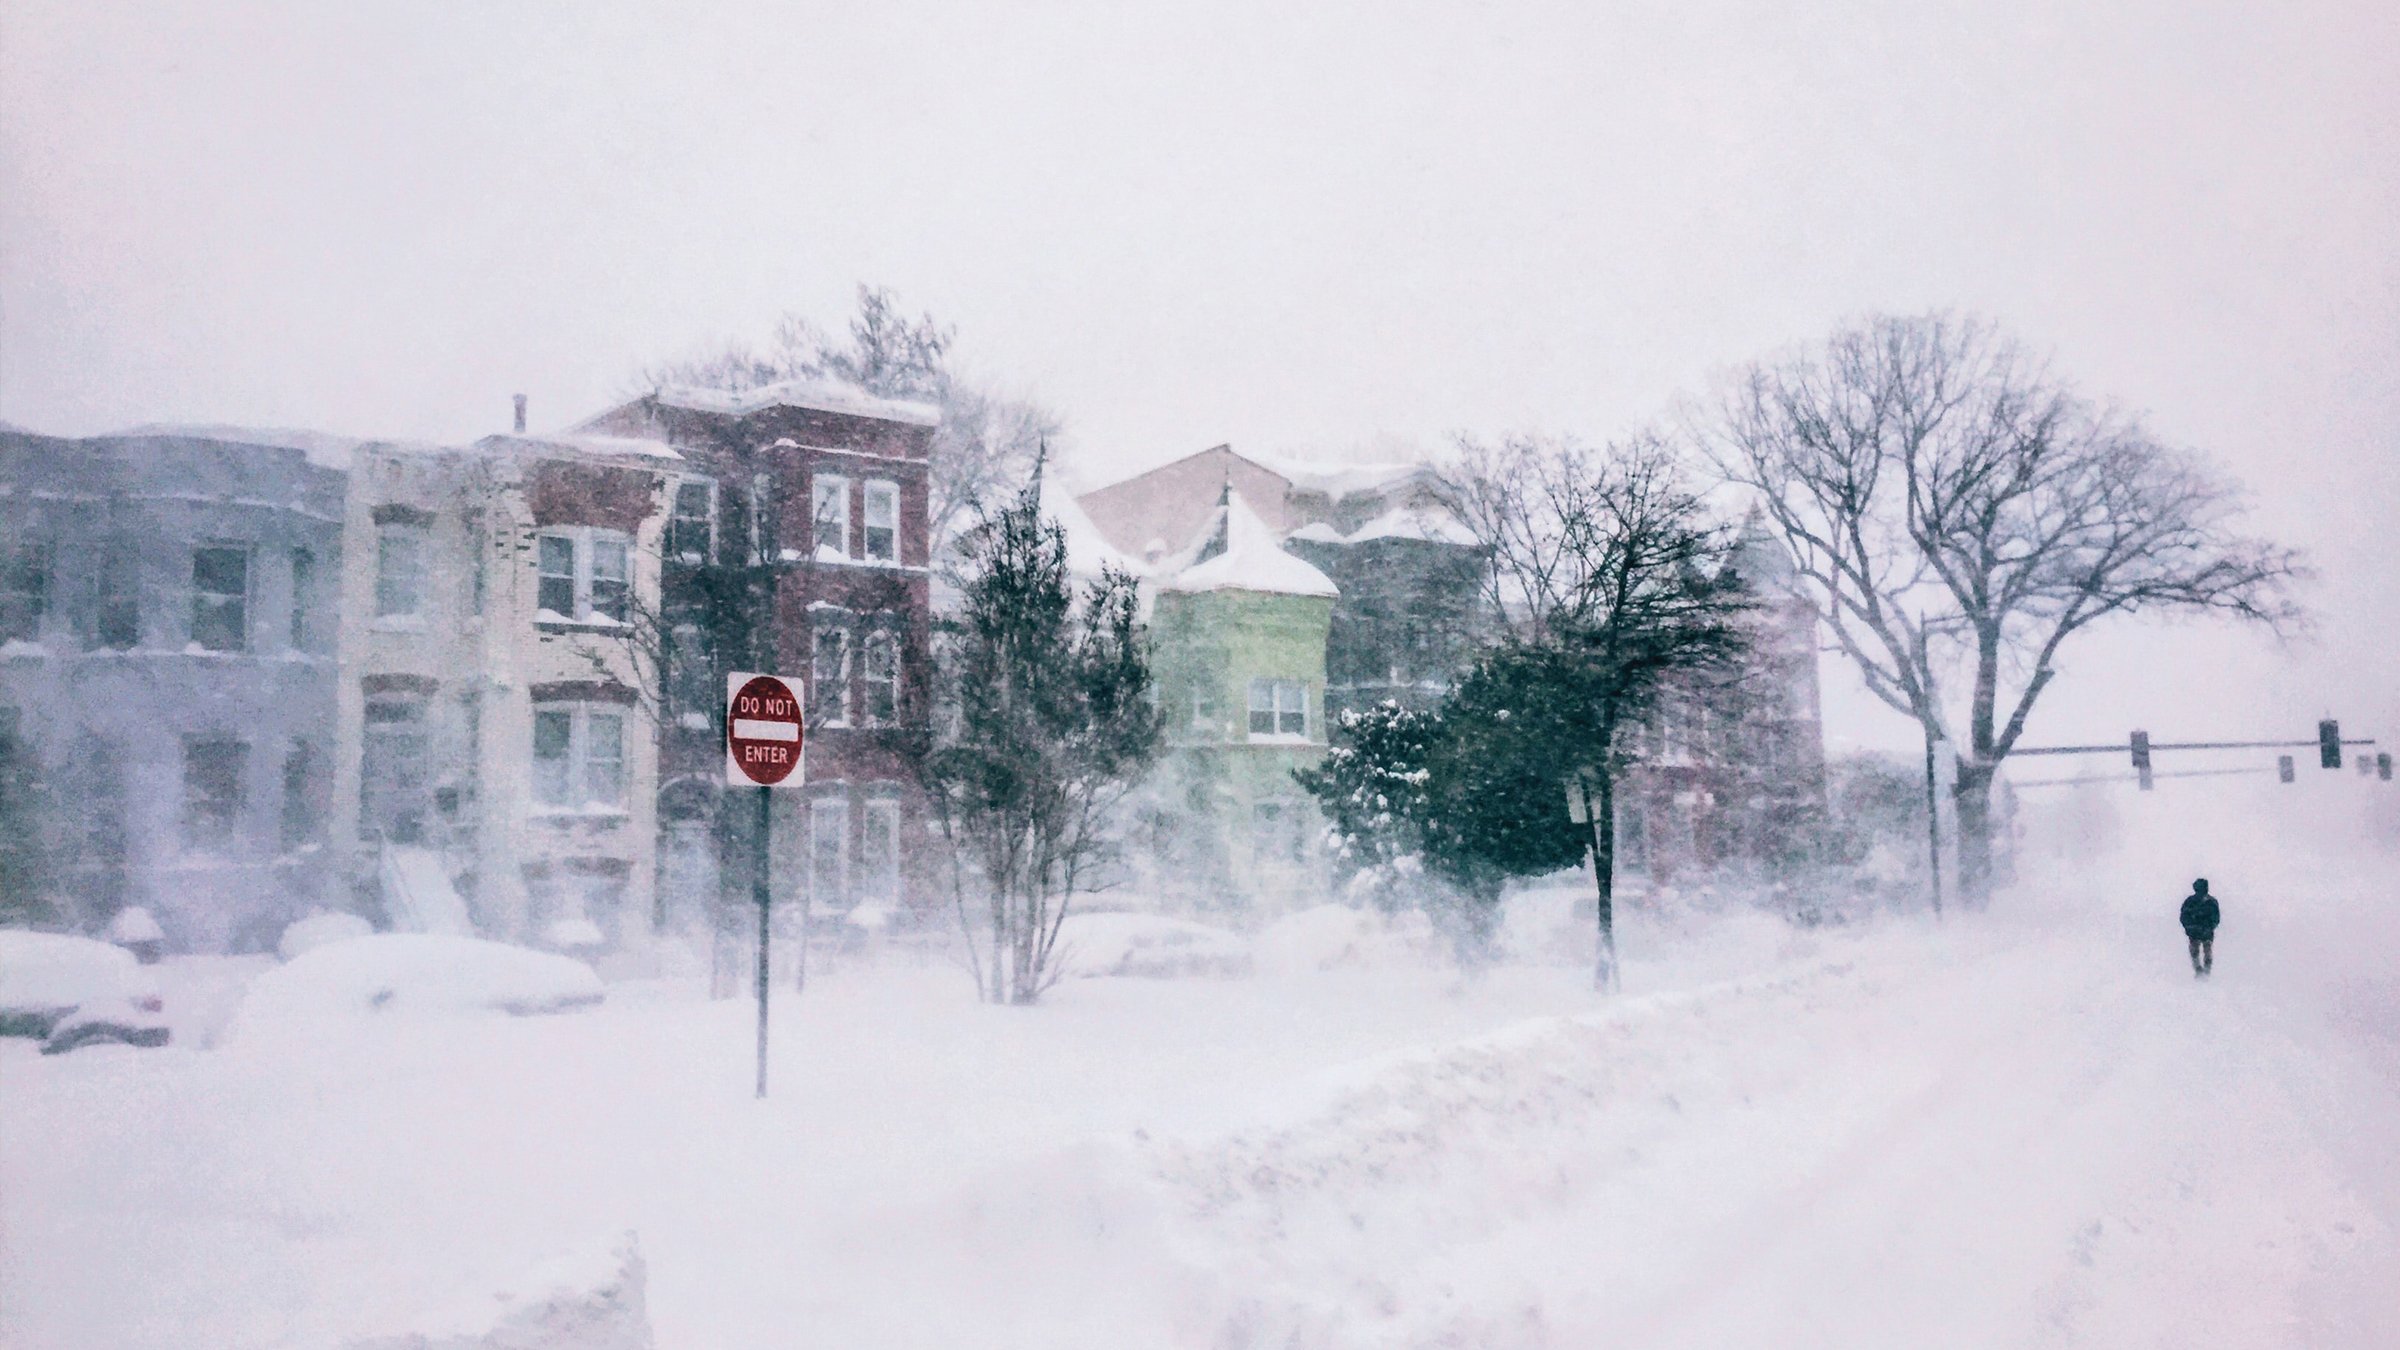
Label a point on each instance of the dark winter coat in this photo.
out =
(2200, 916)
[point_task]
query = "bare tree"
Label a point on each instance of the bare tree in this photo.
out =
(1945, 497)
(987, 441)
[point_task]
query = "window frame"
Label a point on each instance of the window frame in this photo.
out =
(840, 680)
(238, 604)
(822, 489)
(677, 521)
(885, 642)
(834, 809)
(879, 821)
(575, 796)
(417, 571)
(889, 492)
(29, 558)
(195, 804)
(584, 543)
(117, 599)
(1277, 710)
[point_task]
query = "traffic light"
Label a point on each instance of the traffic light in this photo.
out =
(2383, 767)
(2141, 758)
(2329, 744)
(2283, 768)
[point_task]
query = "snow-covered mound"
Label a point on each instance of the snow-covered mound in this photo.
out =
(1338, 937)
(1149, 945)
(387, 973)
(302, 936)
(45, 976)
(587, 1300)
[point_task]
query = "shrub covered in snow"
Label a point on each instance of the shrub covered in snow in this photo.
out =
(1150, 945)
(386, 973)
(44, 977)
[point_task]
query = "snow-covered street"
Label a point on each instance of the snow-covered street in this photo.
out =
(2028, 1128)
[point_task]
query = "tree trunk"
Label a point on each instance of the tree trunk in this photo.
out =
(1603, 812)
(1975, 835)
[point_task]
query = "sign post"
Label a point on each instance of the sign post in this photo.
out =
(764, 736)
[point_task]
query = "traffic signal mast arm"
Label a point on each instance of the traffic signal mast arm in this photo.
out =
(2171, 745)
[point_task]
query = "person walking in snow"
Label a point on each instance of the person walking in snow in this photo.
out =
(2199, 918)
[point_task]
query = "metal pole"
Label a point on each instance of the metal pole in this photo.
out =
(764, 895)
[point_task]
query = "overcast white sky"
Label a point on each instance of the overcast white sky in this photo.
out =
(1283, 226)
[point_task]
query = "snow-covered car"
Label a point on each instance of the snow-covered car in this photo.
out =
(1150, 945)
(305, 935)
(54, 983)
(402, 973)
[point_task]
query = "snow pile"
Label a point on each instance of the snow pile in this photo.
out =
(134, 924)
(1338, 937)
(415, 973)
(305, 935)
(588, 1300)
(45, 976)
(1150, 945)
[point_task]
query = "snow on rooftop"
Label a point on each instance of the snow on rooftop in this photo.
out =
(819, 395)
(1252, 558)
(1088, 551)
(584, 446)
(323, 448)
(1337, 479)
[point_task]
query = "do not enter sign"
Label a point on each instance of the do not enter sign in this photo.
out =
(763, 731)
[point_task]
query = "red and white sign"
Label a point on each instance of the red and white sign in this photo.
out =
(764, 731)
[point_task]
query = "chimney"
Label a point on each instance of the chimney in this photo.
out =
(520, 414)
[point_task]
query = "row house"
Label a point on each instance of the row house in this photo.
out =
(167, 678)
(795, 542)
(497, 767)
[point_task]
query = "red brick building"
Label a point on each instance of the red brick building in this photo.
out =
(800, 507)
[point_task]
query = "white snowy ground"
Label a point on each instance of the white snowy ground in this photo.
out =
(2030, 1128)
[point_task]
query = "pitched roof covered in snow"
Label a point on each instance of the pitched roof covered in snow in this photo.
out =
(1237, 551)
(1088, 550)
(817, 395)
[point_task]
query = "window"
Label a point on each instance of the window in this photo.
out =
(301, 818)
(691, 679)
(1279, 831)
(117, 605)
(221, 598)
(829, 679)
(880, 673)
(212, 791)
(1278, 708)
(829, 853)
(399, 570)
(692, 525)
(479, 545)
(579, 758)
(586, 576)
(762, 517)
(829, 506)
(879, 853)
(391, 773)
(304, 591)
(882, 533)
(1204, 708)
(24, 592)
